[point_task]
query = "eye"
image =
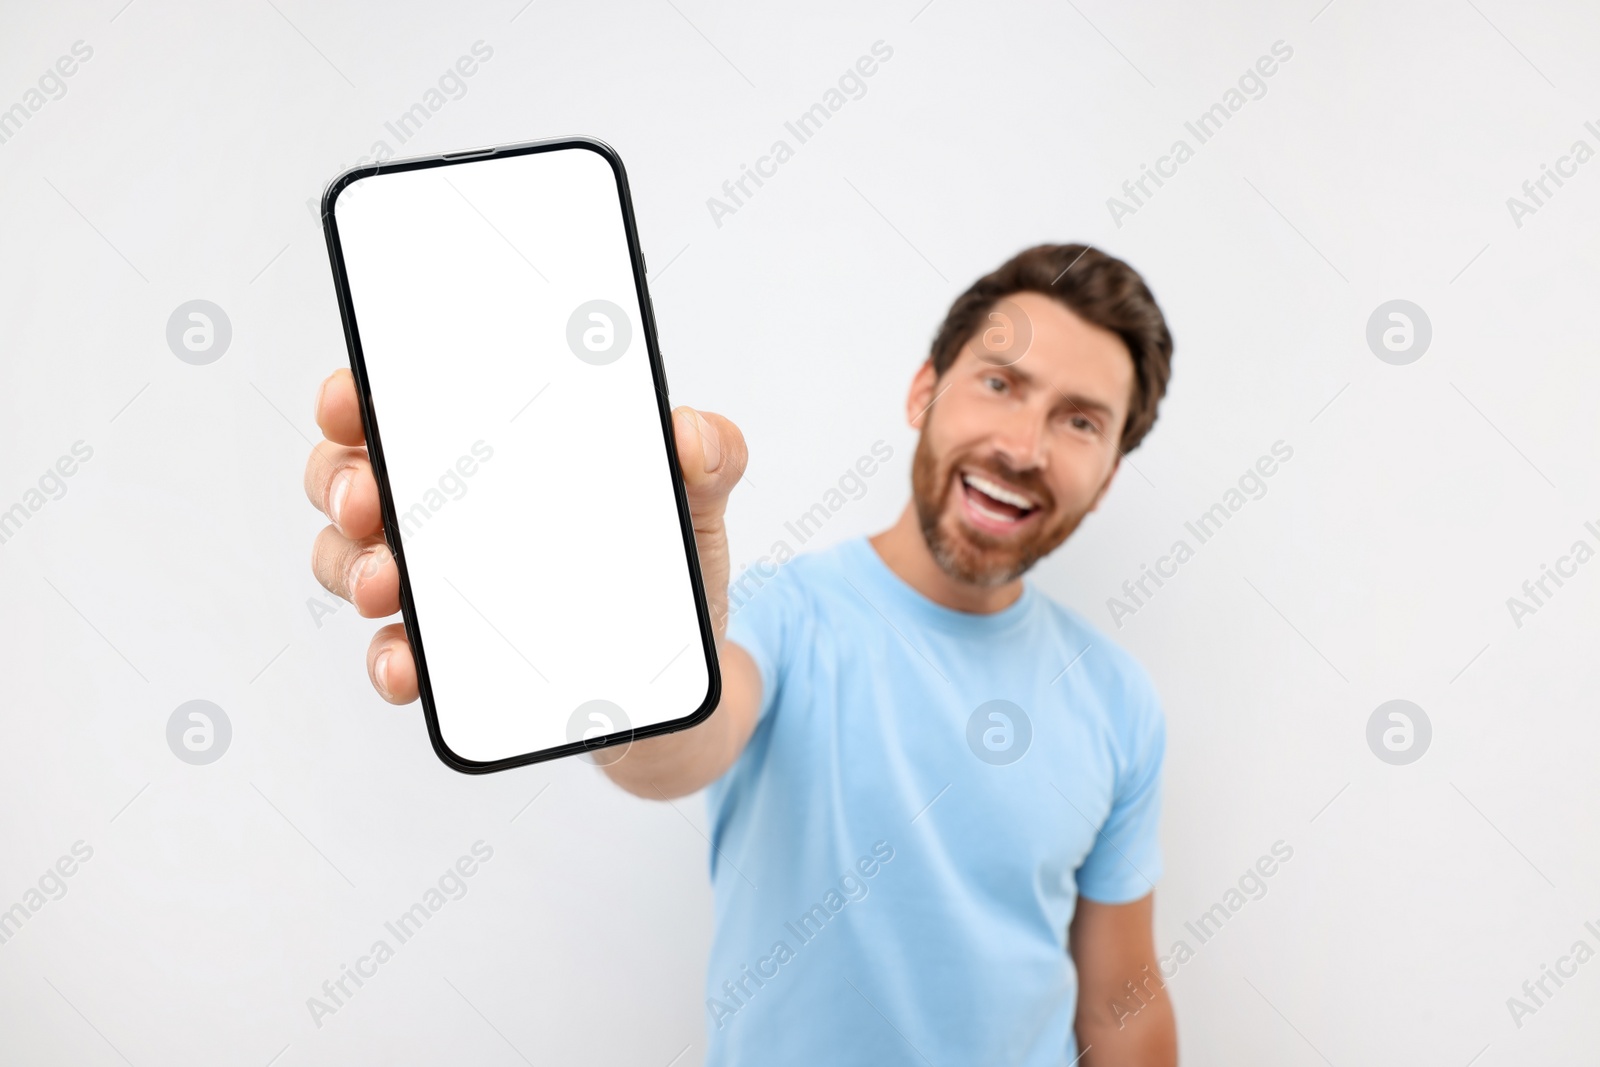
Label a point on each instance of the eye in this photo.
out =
(1081, 423)
(994, 383)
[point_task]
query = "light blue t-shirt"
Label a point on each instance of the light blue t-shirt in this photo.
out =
(889, 888)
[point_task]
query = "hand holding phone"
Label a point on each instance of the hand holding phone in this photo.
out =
(351, 560)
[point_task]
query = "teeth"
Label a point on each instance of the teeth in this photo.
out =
(994, 516)
(1000, 493)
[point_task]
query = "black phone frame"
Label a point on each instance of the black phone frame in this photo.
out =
(391, 526)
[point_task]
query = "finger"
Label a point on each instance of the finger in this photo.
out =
(339, 409)
(711, 452)
(363, 572)
(391, 666)
(340, 483)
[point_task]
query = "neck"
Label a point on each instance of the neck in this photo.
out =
(905, 551)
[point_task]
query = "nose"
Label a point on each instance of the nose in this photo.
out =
(1023, 442)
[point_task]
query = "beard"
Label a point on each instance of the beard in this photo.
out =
(971, 555)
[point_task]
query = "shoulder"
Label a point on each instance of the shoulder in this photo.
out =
(1111, 671)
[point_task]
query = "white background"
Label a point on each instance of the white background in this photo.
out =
(179, 165)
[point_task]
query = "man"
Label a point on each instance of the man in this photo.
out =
(934, 791)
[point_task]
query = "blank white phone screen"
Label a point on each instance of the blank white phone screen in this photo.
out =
(499, 320)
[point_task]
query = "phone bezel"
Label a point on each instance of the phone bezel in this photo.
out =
(391, 526)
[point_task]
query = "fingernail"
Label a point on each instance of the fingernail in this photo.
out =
(710, 444)
(380, 670)
(337, 492)
(364, 566)
(321, 389)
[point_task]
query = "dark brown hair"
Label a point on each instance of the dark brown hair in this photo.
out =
(1100, 289)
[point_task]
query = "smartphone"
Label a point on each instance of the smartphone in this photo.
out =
(504, 346)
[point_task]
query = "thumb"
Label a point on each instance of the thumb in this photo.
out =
(711, 452)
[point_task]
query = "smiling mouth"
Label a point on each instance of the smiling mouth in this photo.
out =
(994, 507)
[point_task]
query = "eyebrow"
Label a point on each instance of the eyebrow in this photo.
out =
(1076, 400)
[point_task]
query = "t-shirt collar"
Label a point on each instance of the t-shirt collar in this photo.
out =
(887, 590)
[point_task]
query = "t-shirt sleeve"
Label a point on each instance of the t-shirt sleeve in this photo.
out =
(764, 620)
(1125, 862)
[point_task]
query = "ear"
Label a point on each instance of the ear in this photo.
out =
(924, 386)
(1116, 465)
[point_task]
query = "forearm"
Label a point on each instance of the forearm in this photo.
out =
(677, 764)
(672, 765)
(1130, 1032)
